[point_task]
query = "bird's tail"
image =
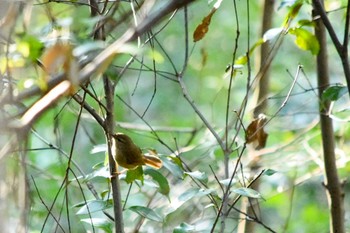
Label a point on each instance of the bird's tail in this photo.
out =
(152, 161)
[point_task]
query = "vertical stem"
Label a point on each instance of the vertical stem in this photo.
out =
(332, 183)
(264, 82)
(110, 124)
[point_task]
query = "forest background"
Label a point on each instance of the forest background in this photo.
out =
(245, 102)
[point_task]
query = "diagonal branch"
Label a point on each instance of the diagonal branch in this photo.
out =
(320, 10)
(102, 60)
(342, 49)
(107, 54)
(199, 113)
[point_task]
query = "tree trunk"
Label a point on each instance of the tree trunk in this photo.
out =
(332, 183)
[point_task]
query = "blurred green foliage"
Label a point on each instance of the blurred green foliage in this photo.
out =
(173, 199)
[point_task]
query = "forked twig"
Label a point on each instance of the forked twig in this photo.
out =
(49, 210)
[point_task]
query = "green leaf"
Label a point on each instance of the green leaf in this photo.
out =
(334, 93)
(242, 60)
(30, 47)
(99, 148)
(147, 213)
(201, 176)
(294, 10)
(269, 172)
(226, 182)
(156, 56)
(184, 228)
(248, 192)
(286, 3)
(173, 164)
(305, 40)
(160, 179)
(98, 165)
(94, 206)
(135, 174)
(194, 192)
(306, 22)
(105, 193)
(100, 223)
(101, 174)
(272, 33)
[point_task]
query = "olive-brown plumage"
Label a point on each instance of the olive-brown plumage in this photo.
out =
(129, 155)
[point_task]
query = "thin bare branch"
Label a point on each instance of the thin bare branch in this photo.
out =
(49, 210)
(199, 113)
(91, 110)
(43, 104)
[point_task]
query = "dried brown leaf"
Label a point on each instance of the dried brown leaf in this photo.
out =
(60, 57)
(56, 57)
(256, 134)
(203, 28)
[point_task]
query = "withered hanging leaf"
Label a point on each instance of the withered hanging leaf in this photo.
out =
(255, 132)
(203, 28)
(57, 58)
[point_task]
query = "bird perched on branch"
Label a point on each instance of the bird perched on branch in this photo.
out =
(130, 156)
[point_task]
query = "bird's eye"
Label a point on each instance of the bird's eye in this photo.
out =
(121, 140)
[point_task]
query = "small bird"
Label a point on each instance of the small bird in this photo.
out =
(129, 155)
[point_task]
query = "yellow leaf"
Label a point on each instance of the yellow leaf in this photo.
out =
(156, 56)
